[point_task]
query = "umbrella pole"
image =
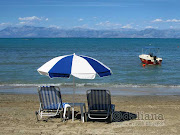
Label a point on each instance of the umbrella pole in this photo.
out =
(73, 98)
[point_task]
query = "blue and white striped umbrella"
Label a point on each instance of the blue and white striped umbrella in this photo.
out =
(82, 67)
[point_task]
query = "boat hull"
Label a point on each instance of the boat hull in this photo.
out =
(149, 62)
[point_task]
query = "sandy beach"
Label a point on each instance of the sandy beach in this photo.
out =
(152, 115)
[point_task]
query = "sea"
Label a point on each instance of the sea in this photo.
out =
(21, 57)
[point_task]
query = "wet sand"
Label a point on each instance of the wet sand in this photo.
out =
(134, 115)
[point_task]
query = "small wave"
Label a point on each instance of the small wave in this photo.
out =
(146, 85)
(95, 85)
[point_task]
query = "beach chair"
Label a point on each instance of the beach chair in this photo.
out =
(51, 102)
(99, 104)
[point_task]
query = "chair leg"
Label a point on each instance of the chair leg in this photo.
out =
(73, 114)
(86, 117)
(109, 119)
(64, 114)
(82, 114)
(65, 107)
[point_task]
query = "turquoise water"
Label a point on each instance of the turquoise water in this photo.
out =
(20, 59)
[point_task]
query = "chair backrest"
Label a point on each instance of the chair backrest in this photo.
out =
(50, 97)
(99, 99)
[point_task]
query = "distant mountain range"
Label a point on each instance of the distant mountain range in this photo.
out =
(51, 32)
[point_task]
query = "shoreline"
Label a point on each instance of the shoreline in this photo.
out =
(132, 91)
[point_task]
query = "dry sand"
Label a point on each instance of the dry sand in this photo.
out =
(153, 115)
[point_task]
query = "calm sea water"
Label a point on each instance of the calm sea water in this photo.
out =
(20, 59)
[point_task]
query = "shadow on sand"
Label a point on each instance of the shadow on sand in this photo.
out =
(118, 116)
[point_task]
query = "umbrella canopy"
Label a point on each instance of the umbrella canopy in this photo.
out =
(82, 67)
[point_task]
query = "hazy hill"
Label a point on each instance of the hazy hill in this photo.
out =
(37, 32)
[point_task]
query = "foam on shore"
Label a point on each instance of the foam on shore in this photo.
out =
(80, 89)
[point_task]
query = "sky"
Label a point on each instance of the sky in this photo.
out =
(91, 14)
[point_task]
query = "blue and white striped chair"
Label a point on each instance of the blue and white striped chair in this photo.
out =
(99, 104)
(51, 102)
